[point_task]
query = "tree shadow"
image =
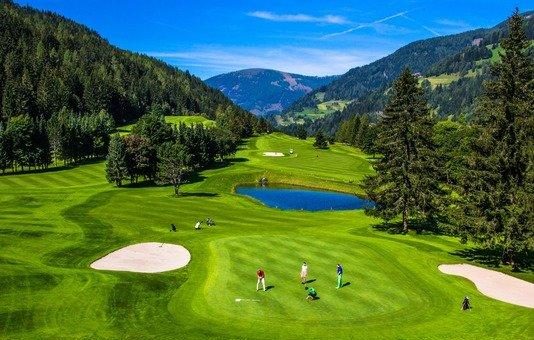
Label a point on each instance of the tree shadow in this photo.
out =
(420, 227)
(198, 194)
(53, 168)
(493, 258)
(269, 287)
(140, 184)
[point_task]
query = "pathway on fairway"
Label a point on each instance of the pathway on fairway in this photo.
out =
(494, 284)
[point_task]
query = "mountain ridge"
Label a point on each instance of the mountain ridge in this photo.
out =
(263, 91)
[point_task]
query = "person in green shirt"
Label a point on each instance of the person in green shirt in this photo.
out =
(312, 293)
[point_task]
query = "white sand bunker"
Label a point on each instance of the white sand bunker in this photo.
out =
(273, 154)
(494, 284)
(151, 257)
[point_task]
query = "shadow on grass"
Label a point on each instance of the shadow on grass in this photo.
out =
(421, 228)
(53, 168)
(345, 284)
(269, 288)
(310, 281)
(493, 258)
(197, 194)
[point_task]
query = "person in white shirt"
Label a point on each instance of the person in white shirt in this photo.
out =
(304, 273)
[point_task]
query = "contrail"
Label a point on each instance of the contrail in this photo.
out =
(369, 24)
(423, 26)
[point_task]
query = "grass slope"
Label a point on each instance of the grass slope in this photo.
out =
(54, 224)
(175, 120)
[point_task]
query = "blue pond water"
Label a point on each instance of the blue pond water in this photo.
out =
(303, 199)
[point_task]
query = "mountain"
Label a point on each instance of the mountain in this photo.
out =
(263, 91)
(49, 62)
(451, 68)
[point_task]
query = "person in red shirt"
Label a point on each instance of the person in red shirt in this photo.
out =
(260, 274)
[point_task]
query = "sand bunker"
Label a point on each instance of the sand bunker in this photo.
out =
(494, 284)
(151, 257)
(273, 154)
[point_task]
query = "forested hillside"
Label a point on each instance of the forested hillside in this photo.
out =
(451, 70)
(63, 88)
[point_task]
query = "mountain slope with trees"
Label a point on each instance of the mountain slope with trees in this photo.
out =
(263, 91)
(63, 88)
(462, 58)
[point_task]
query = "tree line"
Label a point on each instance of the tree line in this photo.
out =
(475, 179)
(34, 143)
(159, 152)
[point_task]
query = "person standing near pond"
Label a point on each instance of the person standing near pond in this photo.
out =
(339, 272)
(260, 274)
(304, 273)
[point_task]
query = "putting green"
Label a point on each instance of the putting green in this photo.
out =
(53, 225)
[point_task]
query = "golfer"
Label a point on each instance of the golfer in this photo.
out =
(260, 274)
(304, 273)
(466, 305)
(312, 293)
(339, 275)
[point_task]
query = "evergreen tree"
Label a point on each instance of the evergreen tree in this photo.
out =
(19, 131)
(174, 163)
(301, 132)
(498, 187)
(5, 159)
(141, 158)
(406, 180)
(320, 141)
(116, 170)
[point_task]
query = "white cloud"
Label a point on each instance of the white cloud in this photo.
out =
(308, 61)
(327, 19)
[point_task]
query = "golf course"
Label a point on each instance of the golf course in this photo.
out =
(54, 224)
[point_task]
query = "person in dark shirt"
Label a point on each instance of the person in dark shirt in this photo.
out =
(260, 274)
(466, 305)
(339, 272)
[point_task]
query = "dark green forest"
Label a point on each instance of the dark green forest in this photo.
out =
(63, 89)
(474, 178)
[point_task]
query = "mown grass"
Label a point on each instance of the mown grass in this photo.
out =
(54, 224)
(175, 120)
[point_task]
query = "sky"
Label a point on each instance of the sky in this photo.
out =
(305, 36)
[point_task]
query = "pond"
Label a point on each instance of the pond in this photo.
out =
(295, 198)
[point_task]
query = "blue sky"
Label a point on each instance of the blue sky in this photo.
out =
(306, 36)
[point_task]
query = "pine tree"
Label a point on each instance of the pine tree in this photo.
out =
(498, 187)
(116, 161)
(301, 132)
(405, 181)
(320, 141)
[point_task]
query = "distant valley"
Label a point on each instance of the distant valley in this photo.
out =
(263, 91)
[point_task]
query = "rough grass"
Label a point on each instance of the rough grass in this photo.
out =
(54, 224)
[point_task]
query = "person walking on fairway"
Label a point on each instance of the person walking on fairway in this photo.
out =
(304, 273)
(339, 275)
(261, 279)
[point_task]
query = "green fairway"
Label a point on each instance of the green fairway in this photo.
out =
(175, 120)
(54, 224)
